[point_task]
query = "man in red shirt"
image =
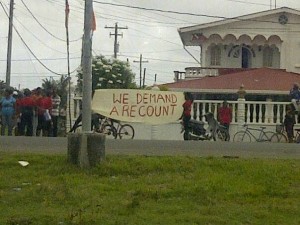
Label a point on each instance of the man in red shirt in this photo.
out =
(44, 106)
(186, 114)
(225, 115)
(27, 106)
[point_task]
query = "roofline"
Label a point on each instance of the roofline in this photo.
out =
(239, 18)
(230, 91)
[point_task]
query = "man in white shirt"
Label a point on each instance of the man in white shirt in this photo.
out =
(55, 112)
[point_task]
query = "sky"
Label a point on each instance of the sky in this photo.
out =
(39, 49)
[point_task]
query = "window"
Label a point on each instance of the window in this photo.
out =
(268, 57)
(215, 54)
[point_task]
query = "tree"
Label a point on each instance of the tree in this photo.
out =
(109, 73)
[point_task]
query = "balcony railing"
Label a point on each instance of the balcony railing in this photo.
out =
(196, 72)
(255, 112)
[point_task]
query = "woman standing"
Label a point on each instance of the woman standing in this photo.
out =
(8, 104)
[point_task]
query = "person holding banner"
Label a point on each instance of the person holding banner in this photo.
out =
(186, 114)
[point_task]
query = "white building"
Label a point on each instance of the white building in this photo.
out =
(265, 39)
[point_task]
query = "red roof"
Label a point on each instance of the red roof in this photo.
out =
(261, 80)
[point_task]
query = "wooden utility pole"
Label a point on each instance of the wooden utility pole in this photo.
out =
(116, 34)
(9, 44)
(144, 77)
(87, 67)
(140, 61)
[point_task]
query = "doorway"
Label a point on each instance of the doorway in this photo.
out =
(246, 58)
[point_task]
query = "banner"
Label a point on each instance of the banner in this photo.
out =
(142, 106)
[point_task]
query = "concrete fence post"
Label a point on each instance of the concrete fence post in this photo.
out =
(86, 149)
(241, 109)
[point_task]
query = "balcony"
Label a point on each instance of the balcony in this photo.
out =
(198, 72)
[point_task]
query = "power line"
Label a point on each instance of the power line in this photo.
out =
(160, 10)
(188, 14)
(58, 38)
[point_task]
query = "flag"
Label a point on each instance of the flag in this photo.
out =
(67, 11)
(93, 22)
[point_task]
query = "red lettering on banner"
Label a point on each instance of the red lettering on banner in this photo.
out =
(122, 98)
(125, 109)
(150, 111)
(114, 110)
(138, 98)
(132, 110)
(140, 113)
(160, 97)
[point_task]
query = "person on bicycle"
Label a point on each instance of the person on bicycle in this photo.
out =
(186, 114)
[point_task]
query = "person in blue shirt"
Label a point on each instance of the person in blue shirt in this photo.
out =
(7, 104)
(295, 96)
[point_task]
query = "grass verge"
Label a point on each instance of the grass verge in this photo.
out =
(140, 190)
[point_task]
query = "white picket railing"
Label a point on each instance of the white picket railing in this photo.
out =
(256, 112)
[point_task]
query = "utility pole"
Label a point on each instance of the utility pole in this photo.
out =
(116, 34)
(140, 61)
(87, 67)
(9, 44)
(144, 77)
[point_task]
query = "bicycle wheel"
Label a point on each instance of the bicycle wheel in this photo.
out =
(126, 132)
(279, 138)
(110, 132)
(241, 136)
(268, 136)
(222, 135)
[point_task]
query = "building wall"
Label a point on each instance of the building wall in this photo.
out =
(284, 37)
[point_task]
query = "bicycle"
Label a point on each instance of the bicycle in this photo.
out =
(99, 124)
(297, 136)
(247, 134)
(123, 131)
(280, 135)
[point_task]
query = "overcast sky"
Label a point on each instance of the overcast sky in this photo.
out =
(41, 25)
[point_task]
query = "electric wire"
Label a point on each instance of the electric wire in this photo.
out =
(58, 38)
(187, 13)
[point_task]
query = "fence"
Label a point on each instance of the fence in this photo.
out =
(252, 112)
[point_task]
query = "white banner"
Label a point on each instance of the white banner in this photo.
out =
(143, 106)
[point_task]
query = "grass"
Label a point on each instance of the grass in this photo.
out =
(140, 190)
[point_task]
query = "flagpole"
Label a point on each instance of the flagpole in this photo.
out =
(67, 10)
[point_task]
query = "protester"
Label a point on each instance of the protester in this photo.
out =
(289, 122)
(36, 94)
(44, 106)
(17, 118)
(186, 114)
(295, 96)
(55, 112)
(7, 104)
(225, 115)
(27, 107)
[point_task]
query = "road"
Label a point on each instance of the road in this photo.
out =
(158, 148)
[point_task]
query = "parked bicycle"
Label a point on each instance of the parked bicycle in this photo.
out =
(123, 131)
(248, 134)
(280, 135)
(297, 136)
(110, 127)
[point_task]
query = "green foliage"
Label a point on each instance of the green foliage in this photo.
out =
(149, 190)
(109, 73)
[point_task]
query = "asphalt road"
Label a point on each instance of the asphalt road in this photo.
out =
(157, 148)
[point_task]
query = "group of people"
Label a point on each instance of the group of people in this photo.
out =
(30, 112)
(224, 112)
